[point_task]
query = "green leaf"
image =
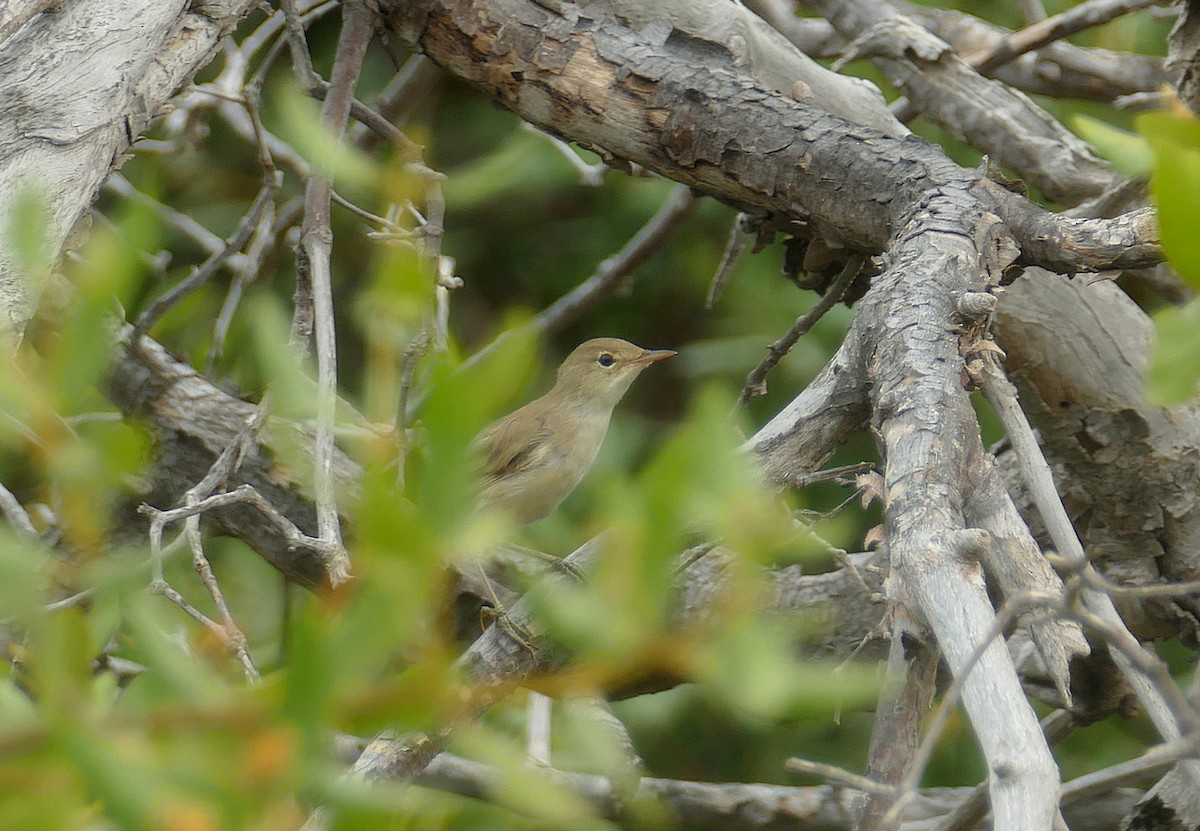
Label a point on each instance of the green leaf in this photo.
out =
(302, 126)
(391, 312)
(1175, 139)
(126, 793)
(755, 671)
(17, 710)
(1128, 153)
(293, 392)
(462, 400)
(60, 661)
(522, 787)
(1175, 368)
(29, 219)
(171, 671)
(24, 568)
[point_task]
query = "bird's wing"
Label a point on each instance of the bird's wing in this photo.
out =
(504, 453)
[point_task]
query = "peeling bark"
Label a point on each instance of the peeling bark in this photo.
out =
(77, 87)
(700, 123)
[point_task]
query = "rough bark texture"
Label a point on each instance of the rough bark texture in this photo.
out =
(77, 87)
(648, 99)
(1122, 464)
(997, 119)
(1059, 69)
(715, 100)
(676, 107)
(192, 422)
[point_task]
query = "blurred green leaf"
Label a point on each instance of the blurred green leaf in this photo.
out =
(302, 127)
(310, 677)
(18, 714)
(1175, 368)
(151, 636)
(293, 393)
(1128, 153)
(25, 569)
(111, 268)
(462, 400)
(399, 553)
(60, 661)
(524, 162)
(755, 671)
(394, 308)
(123, 791)
(522, 787)
(1175, 138)
(29, 217)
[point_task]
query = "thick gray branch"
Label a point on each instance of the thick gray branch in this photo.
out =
(77, 88)
(660, 100)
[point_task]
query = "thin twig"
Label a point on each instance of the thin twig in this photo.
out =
(316, 242)
(205, 272)
(612, 273)
(398, 100)
(262, 243)
(233, 636)
(1007, 613)
(839, 776)
(1152, 762)
(756, 383)
(1048, 30)
(268, 31)
(804, 479)
(909, 687)
(165, 589)
(390, 228)
(590, 175)
(68, 602)
(1162, 705)
(16, 515)
(1032, 10)
(1144, 663)
(198, 499)
(1098, 581)
(615, 271)
(734, 246)
(319, 88)
(408, 367)
(186, 225)
(1084, 16)
(249, 495)
(971, 811)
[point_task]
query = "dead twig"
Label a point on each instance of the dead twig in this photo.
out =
(1084, 16)
(756, 381)
(314, 279)
(734, 246)
(1168, 710)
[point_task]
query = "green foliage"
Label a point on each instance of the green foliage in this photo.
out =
(184, 741)
(1130, 154)
(1175, 140)
(300, 124)
(1175, 369)
(753, 670)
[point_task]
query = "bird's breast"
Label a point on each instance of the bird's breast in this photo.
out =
(552, 471)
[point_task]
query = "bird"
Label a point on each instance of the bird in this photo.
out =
(535, 457)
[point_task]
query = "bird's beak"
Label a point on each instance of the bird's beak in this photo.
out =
(652, 355)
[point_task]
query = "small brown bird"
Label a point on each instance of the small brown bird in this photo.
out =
(536, 456)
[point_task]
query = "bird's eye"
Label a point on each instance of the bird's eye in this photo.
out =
(605, 359)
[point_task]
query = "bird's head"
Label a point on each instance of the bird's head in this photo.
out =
(600, 370)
